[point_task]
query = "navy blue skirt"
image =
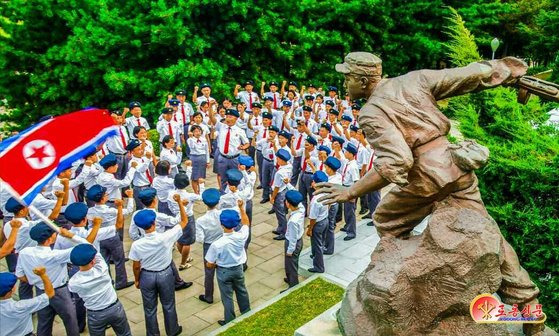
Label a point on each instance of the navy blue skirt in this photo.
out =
(198, 166)
(163, 207)
(188, 233)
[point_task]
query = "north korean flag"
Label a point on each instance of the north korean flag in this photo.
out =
(31, 158)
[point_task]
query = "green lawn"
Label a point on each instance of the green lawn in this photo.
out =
(291, 312)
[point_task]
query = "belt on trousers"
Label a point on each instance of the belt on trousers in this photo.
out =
(66, 284)
(145, 270)
(135, 186)
(109, 306)
(269, 160)
(306, 172)
(229, 156)
(117, 153)
(230, 267)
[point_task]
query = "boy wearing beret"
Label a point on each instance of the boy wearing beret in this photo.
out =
(142, 177)
(108, 179)
(308, 165)
(167, 126)
(248, 97)
(332, 165)
(350, 175)
(267, 145)
(136, 118)
(228, 255)
(56, 265)
(318, 215)
(152, 256)
(261, 132)
(16, 316)
(20, 215)
(295, 229)
(279, 187)
(111, 248)
(273, 94)
(93, 284)
(208, 230)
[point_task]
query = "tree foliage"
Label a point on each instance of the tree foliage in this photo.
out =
(519, 185)
(58, 56)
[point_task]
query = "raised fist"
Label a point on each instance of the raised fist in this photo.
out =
(118, 203)
(15, 223)
(129, 193)
(196, 88)
(240, 203)
(177, 198)
(59, 194)
(187, 163)
(179, 149)
(237, 86)
(64, 181)
(97, 221)
(263, 83)
(148, 155)
(284, 82)
(40, 270)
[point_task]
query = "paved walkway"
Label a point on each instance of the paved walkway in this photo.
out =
(264, 278)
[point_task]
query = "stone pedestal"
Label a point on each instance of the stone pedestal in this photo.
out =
(424, 285)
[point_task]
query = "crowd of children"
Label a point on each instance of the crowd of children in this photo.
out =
(278, 143)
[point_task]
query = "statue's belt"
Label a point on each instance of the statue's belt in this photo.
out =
(437, 142)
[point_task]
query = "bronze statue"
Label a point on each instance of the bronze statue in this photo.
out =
(409, 135)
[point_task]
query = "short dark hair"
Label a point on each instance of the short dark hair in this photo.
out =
(137, 130)
(166, 139)
(196, 114)
(162, 168)
(195, 127)
(181, 181)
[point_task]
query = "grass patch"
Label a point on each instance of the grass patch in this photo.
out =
(291, 312)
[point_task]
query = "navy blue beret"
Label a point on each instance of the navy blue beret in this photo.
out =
(211, 197)
(133, 144)
(333, 88)
(257, 104)
(285, 134)
(233, 176)
(180, 92)
(330, 102)
(319, 176)
(270, 98)
(287, 103)
(249, 82)
(76, 212)
(338, 139)
(41, 232)
(145, 218)
(267, 115)
(108, 160)
(356, 107)
(7, 282)
(13, 205)
(309, 97)
(134, 104)
(283, 154)
(312, 140)
(245, 160)
(294, 197)
(232, 112)
(307, 108)
(353, 128)
(333, 163)
(351, 148)
(324, 149)
(205, 85)
(82, 254)
(167, 110)
(96, 192)
(229, 218)
(347, 118)
(273, 83)
(334, 111)
(327, 126)
(147, 195)
(174, 102)
(293, 83)
(273, 128)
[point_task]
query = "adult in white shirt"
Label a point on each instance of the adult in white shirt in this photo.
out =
(231, 141)
(16, 316)
(152, 256)
(93, 284)
(228, 255)
(55, 262)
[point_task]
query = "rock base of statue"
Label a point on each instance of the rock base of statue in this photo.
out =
(424, 285)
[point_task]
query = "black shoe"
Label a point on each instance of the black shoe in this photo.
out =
(183, 286)
(327, 253)
(276, 232)
(314, 270)
(179, 331)
(346, 238)
(312, 256)
(221, 322)
(343, 229)
(280, 237)
(264, 200)
(128, 284)
(285, 280)
(371, 223)
(126, 259)
(285, 290)
(369, 216)
(271, 212)
(112, 262)
(245, 266)
(338, 220)
(363, 211)
(203, 298)
(259, 187)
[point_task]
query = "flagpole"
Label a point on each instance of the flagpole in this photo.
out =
(34, 210)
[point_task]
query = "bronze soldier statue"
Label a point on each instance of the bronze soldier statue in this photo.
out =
(409, 135)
